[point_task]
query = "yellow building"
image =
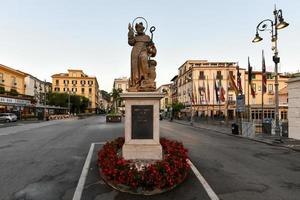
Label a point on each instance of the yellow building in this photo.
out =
(199, 76)
(269, 97)
(11, 79)
(196, 83)
(166, 101)
(77, 82)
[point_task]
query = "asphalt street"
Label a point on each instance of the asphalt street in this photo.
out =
(44, 163)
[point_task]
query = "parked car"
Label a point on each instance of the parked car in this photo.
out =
(8, 117)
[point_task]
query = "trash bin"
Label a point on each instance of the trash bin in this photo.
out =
(267, 126)
(234, 129)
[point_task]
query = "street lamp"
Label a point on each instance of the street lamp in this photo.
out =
(273, 26)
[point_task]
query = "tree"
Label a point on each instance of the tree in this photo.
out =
(115, 94)
(78, 103)
(177, 106)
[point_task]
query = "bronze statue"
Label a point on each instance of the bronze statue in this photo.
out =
(143, 73)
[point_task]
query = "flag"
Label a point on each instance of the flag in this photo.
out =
(208, 92)
(232, 83)
(216, 90)
(264, 76)
(194, 96)
(221, 91)
(204, 91)
(250, 78)
(239, 81)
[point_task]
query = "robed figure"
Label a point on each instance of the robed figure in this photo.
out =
(142, 67)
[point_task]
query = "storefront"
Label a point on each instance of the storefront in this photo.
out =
(26, 110)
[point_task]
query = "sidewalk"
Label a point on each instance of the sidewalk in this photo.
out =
(267, 139)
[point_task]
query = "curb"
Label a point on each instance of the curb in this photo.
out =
(239, 136)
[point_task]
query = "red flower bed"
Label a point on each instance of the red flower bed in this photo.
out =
(163, 175)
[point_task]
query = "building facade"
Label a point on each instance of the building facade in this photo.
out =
(37, 89)
(294, 107)
(12, 80)
(77, 82)
(166, 101)
(197, 80)
(121, 83)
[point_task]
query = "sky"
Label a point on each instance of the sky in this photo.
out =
(43, 37)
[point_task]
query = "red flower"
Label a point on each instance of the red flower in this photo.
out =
(162, 174)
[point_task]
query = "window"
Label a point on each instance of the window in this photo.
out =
(56, 82)
(270, 88)
(90, 90)
(90, 83)
(74, 82)
(230, 97)
(166, 101)
(82, 90)
(259, 88)
(66, 82)
(253, 76)
(219, 75)
(119, 86)
(13, 81)
(201, 75)
(283, 114)
(74, 89)
(56, 89)
(270, 100)
(82, 82)
(231, 74)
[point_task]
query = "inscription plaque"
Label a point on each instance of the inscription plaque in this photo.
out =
(142, 121)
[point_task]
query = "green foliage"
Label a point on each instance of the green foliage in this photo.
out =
(177, 106)
(2, 90)
(78, 104)
(115, 94)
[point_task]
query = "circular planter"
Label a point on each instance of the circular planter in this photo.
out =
(143, 177)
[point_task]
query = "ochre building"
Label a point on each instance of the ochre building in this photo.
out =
(77, 82)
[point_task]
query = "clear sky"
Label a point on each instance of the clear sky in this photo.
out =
(43, 37)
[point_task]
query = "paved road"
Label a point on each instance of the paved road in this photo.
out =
(45, 162)
(238, 168)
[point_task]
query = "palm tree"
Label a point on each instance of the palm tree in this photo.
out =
(115, 95)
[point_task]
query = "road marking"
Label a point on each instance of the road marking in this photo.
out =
(208, 189)
(85, 170)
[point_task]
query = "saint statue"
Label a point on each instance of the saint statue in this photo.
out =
(143, 73)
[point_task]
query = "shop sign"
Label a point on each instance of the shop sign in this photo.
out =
(14, 101)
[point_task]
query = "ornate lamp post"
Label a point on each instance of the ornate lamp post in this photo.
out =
(273, 26)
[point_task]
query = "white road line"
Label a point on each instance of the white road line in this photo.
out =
(85, 170)
(206, 186)
(81, 182)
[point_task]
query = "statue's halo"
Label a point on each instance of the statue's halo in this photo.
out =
(137, 20)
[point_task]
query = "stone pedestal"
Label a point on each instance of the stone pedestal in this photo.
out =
(142, 126)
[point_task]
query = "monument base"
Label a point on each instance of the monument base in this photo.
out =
(142, 126)
(142, 151)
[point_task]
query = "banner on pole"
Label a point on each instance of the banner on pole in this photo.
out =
(240, 102)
